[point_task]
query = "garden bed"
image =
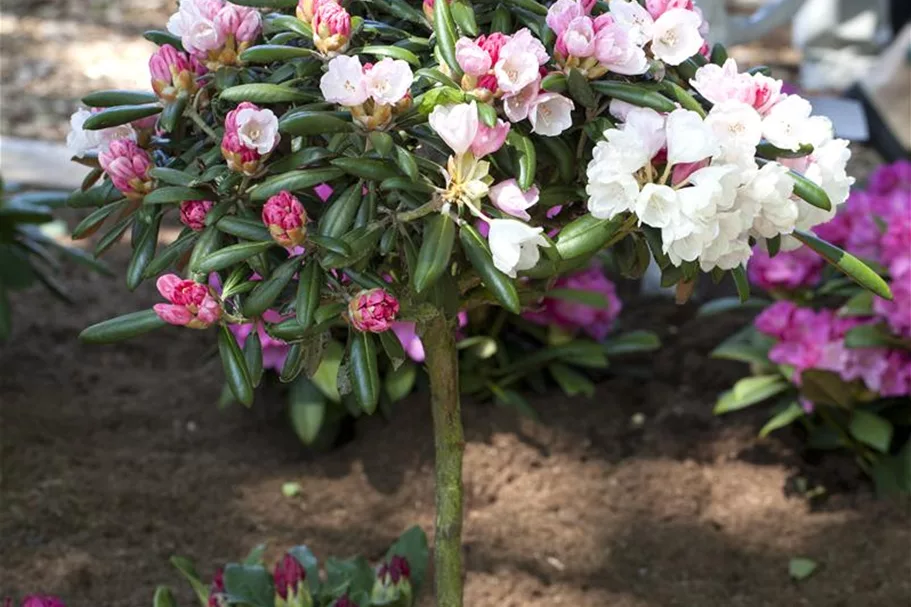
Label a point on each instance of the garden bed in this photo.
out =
(108, 470)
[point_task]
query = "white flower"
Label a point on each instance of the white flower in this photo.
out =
(344, 82)
(550, 114)
(827, 170)
(80, 142)
(524, 41)
(736, 125)
(509, 198)
(786, 123)
(457, 125)
(714, 189)
(517, 105)
(194, 23)
(684, 248)
(388, 81)
(676, 37)
(610, 195)
(657, 205)
(618, 52)
(514, 245)
(515, 69)
(258, 129)
(728, 249)
(648, 125)
(689, 138)
(769, 192)
(620, 152)
(634, 19)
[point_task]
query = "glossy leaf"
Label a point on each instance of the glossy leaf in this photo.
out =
(262, 92)
(309, 286)
(293, 181)
(586, 235)
(119, 115)
(749, 391)
(228, 256)
(498, 283)
(871, 429)
(307, 409)
(268, 53)
(527, 158)
(339, 217)
(143, 253)
(172, 194)
(444, 27)
(113, 98)
(249, 584)
(248, 229)
(788, 415)
(366, 168)
(847, 263)
(237, 375)
(365, 375)
(122, 328)
(268, 290)
(435, 253)
(307, 123)
(253, 354)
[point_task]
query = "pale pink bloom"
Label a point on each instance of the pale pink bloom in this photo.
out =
(617, 52)
(523, 41)
(194, 23)
(250, 134)
(518, 61)
(128, 166)
(331, 27)
(286, 219)
(274, 350)
(242, 22)
(634, 19)
(407, 333)
(173, 73)
(578, 39)
(489, 139)
(517, 105)
(724, 83)
(656, 8)
(193, 213)
(192, 304)
(373, 311)
(388, 81)
(509, 198)
(473, 59)
(676, 37)
(344, 82)
(550, 114)
(457, 125)
(561, 13)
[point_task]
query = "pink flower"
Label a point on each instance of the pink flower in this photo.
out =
(656, 8)
(617, 51)
(561, 13)
(217, 596)
(286, 219)
(331, 28)
(597, 322)
(373, 311)
(274, 350)
(787, 270)
(474, 60)
(193, 213)
(492, 44)
(128, 166)
(550, 114)
(407, 333)
(489, 139)
(36, 600)
(578, 39)
(775, 320)
(250, 135)
(193, 305)
(173, 73)
(242, 22)
(517, 105)
(289, 577)
(306, 9)
(518, 61)
(323, 191)
(897, 313)
(890, 177)
(394, 571)
(509, 198)
(726, 83)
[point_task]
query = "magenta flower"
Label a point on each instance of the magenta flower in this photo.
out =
(573, 316)
(274, 350)
(890, 177)
(128, 166)
(192, 304)
(217, 596)
(373, 311)
(289, 576)
(193, 213)
(173, 73)
(775, 320)
(36, 600)
(787, 270)
(395, 570)
(406, 331)
(286, 219)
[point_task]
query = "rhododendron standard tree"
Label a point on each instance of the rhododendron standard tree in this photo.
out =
(362, 163)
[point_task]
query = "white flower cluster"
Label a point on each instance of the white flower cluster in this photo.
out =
(697, 179)
(80, 142)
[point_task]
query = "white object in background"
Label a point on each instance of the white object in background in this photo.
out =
(740, 29)
(39, 163)
(847, 116)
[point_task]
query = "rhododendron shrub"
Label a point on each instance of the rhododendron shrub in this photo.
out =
(474, 153)
(836, 358)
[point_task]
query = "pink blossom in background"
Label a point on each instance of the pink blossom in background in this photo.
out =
(217, 596)
(897, 313)
(373, 311)
(274, 350)
(193, 213)
(890, 177)
(574, 316)
(323, 191)
(406, 331)
(788, 270)
(128, 166)
(192, 304)
(36, 600)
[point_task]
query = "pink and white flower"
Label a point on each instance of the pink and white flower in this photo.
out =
(173, 73)
(457, 125)
(489, 139)
(509, 198)
(250, 135)
(343, 83)
(561, 13)
(331, 27)
(578, 39)
(550, 114)
(676, 37)
(474, 60)
(518, 61)
(617, 51)
(514, 245)
(388, 81)
(192, 304)
(81, 142)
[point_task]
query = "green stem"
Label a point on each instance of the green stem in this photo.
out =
(201, 123)
(422, 211)
(443, 368)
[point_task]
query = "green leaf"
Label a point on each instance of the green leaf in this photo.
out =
(366, 168)
(527, 158)
(188, 570)
(726, 304)
(339, 215)
(393, 347)
(163, 597)
(249, 584)
(801, 568)
(400, 382)
(847, 263)
(446, 36)
(262, 92)
(631, 342)
(770, 152)
(435, 253)
(172, 114)
(414, 547)
(825, 387)
(860, 304)
(122, 114)
(118, 97)
(171, 194)
(294, 363)
(586, 235)
(871, 429)
(113, 235)
(463, 15)
(365, 375)
(300, 159)
(353, 575)
(530, 6)
(209, 240)
(306, 123)
(749, 391)
(307, 409)
(293, 181)
(591, 299)
(571, 381)
(498, 283)
(172, 176)
(783, 418)
(437, 77)
(810, 193)
(406, 163)
(93, 222)
(237, 375)
(267, 53)
(556, 82)
(362, 242)
(395, 52)
(161, 38)
(892, 473)
(309, 286)
(253, 354)
(143, 253)
(580, 89)
(869, 336)
(248, 229)
(488, 114)
(228, 256)
(742, 283)
(122, 327)
(268, 290)
(310, 564)
(634, 94)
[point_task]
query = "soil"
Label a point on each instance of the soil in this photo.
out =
(115, 458)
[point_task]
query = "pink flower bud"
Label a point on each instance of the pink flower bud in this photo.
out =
(251, 134)
(289, 576)
(489, 139)
(173, 73)
(193, 305)
(427, 5)
(344, 601)
(217, 595)
(242, 22)
(492, 44)
(286, 219)
(35, 600)
(474, 60)
(393, 582)
(306, 9)
(128, 166)
(578, 39)
(193, 213)
(373, 311)
(331, 28)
